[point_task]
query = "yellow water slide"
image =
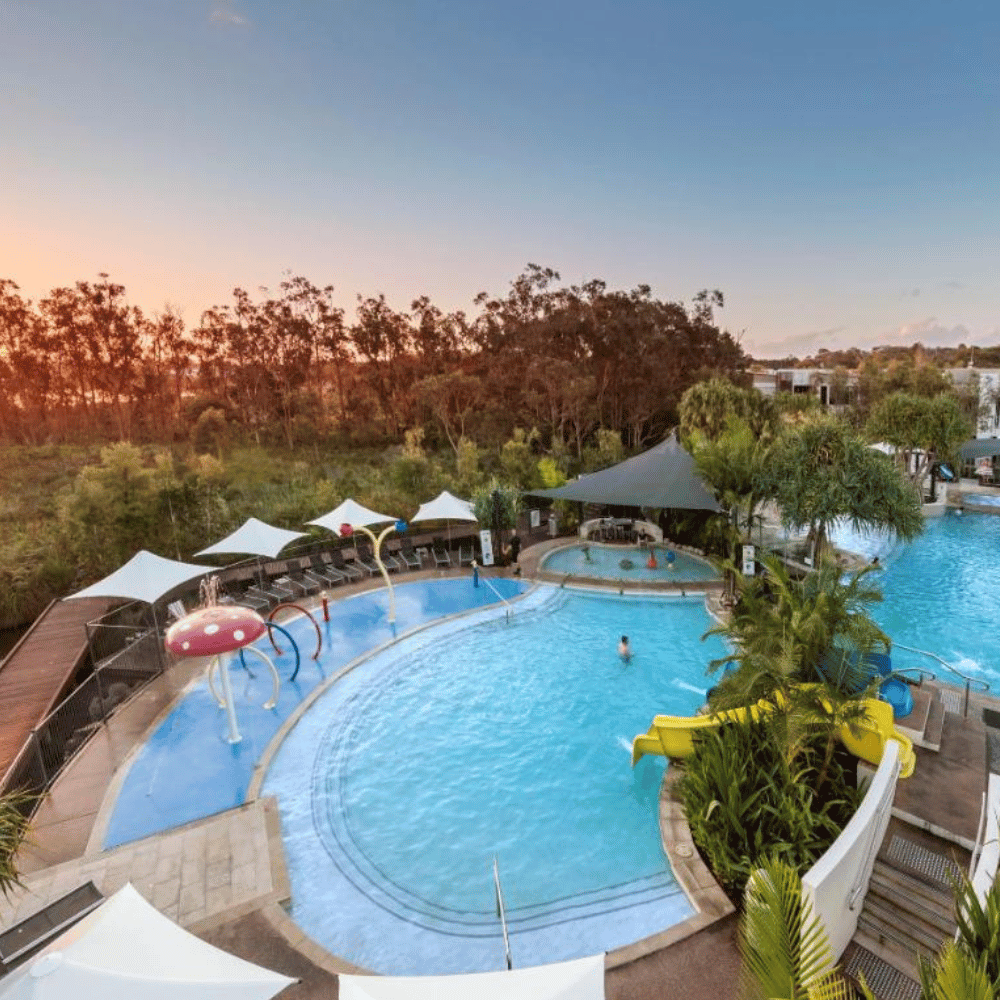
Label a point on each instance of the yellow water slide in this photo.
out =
(673, 735)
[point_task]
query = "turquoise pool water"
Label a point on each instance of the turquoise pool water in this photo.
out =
(186, 770)
(605, 562)
(941, 593)
(502, 738)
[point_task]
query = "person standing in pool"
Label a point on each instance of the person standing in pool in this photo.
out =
(624, 649)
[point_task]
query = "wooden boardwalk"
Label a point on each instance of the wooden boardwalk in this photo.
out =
(39, 670)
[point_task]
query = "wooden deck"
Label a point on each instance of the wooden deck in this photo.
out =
(39, 669)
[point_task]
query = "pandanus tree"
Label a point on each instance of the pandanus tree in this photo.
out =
(822, 472)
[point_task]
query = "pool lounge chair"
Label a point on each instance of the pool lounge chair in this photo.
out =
(351, 570)
(409, 555)
(392, 561)
(366, 560)
(441, 555)
(323, 566)
(314, 570)
(299, 580)
(276, 591)
(466, 554)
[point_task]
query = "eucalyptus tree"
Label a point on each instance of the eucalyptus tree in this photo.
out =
(821, 472)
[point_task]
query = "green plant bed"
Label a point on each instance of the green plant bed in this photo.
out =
(753, 790)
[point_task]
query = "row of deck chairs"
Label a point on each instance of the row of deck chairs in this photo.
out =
(296, 578)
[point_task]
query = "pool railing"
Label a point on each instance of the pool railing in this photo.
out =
(502, 913)
(927, 675)
(477, 575)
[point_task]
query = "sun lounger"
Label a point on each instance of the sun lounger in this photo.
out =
(275, 590)
(298, 578)
(392, 562)
(408, 554)
(441, 555)
(466, 554)
(366, 560)
(351, 570)
(323, 566)
(258, 602)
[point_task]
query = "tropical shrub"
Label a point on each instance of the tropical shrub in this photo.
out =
(749, 792)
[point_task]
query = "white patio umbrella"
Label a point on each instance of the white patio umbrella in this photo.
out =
(580, 979)
(255, 538)
(145, 577)
(445, 507)
(350, 512)
(127, 948)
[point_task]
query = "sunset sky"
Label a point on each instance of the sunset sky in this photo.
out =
(832, 168)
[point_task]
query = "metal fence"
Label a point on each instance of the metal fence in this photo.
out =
(80, 714)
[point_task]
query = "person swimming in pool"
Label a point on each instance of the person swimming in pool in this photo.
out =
(624, 649)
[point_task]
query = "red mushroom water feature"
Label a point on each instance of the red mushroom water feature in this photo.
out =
(219, 632)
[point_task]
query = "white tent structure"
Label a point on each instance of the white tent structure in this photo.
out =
(581, 979)
(127, 948)
(255, 538)
(350, 512)
(145, 577)
(445, 507)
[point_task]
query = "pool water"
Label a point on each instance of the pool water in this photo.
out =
(508, 738)
(605, 562)
(186, 770)
(942, 595)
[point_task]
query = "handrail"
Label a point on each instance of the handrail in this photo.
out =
(481, 576)
(969, 681)
(501, 912)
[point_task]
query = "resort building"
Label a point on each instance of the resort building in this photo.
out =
(819, 382)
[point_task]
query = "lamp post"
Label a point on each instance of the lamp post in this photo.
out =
(346, 530)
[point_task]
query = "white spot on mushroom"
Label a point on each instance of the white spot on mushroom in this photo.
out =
(212, 629)
(239, 635)
(185, 645)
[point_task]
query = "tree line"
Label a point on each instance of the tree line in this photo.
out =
(83, 365)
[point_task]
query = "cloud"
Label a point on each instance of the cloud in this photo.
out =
(929, 332)
(226, 15)
(799, 344)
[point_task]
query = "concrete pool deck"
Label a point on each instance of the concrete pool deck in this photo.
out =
(227, 878)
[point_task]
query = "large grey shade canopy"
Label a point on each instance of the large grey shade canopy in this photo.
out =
(665, 476)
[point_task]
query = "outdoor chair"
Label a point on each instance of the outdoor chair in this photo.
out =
(256, 602)
(324, 566)
(466, 554)
(314, 570)
(392, 562)
(409, 555)
(442, 557)
(351, 570)
(366, 559)
(298, 579)
(276, 591)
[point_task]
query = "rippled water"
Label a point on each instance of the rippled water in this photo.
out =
(941, 593)
(507, 739)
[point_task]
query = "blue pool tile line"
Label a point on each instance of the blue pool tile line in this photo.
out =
(187, 770)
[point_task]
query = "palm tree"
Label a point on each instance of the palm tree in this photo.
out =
(784, 946)
(782, 628)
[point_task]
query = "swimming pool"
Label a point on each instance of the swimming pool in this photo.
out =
(940, 593)
(185, 770)
(499, 738)
(605, 562)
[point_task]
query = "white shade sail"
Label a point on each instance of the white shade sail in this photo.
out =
(255, 538)
(145, 577)
(581, 979)
(445, 507)
(127, 948)
(350, 512)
